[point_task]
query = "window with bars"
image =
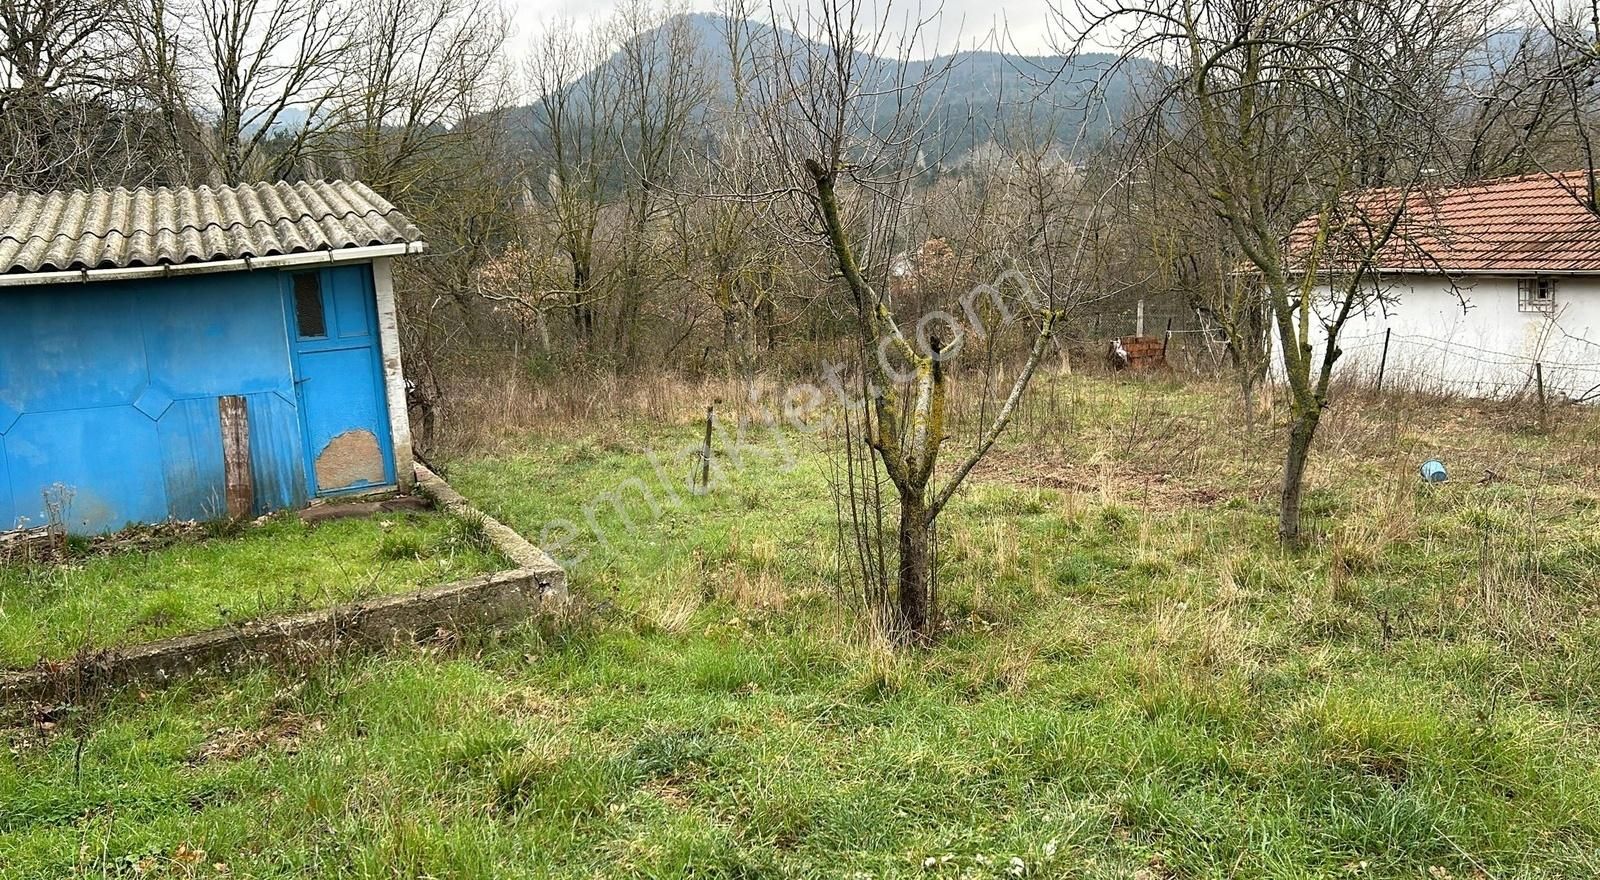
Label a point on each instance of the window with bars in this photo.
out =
(1537, 294)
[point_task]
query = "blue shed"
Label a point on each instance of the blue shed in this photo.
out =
(197, 353)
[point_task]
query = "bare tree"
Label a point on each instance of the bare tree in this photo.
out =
(74, 110)
(417, 78)
(731, 266)
(1294, 105)
(1540, 107)
(1512, 111)
(1185, 249)
(248, 81)
(722, 251)
(51, 45)
(846, 122)
(660, 89)
(575, 146)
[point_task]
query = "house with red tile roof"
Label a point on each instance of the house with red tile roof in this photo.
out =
(1477, 284)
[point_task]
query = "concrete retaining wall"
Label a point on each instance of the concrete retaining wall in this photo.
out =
(485, 601)
(515, 547)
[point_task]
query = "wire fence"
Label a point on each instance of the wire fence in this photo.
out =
(1563, 364)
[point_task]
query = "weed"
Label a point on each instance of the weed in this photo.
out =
(405, 547)
(1133, 680)
(222, 528)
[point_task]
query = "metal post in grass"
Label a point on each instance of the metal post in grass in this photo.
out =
(1538, 381)
(705, 448)
(1384, 360)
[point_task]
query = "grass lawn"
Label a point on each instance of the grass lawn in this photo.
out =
(53, 611)
(1135, 681)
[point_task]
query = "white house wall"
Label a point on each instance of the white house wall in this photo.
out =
(1473, 340)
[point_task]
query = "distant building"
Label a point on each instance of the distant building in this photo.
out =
(197, 353)
(1481, 283)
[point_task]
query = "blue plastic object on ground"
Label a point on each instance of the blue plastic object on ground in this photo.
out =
(1433, 471)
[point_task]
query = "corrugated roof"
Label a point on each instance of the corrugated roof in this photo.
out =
(119, 228)
(1534, 223)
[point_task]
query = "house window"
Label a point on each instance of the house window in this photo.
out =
(308, 313)
(1536, 294)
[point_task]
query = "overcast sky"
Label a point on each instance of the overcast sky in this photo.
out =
(963, 20)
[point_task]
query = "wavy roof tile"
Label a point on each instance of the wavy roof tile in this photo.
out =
(1535, 223)
(120, 228)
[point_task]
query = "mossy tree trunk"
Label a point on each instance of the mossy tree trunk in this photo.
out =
(915, 569)
(1301, 432)
(905, 426)
(1255, 86)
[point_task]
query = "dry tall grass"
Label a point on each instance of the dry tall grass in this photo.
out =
(1173, 449)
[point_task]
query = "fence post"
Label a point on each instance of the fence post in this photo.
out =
(1383, 362)
(1138, 327)
(705, 449)
(1538, 380)
(1165, 339)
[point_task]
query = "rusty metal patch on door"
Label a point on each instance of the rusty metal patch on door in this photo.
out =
(349, 459)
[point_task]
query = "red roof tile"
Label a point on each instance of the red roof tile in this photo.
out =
(1535, 223)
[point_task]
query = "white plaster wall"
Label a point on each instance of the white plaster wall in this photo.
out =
(394, 380)
(1472, 340)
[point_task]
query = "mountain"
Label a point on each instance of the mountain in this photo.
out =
(972, 97)
(1076, 102)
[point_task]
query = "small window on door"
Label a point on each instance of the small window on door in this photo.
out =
(1536, 294)
(308, 313)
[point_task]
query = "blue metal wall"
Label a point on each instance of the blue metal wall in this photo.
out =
(110, 389)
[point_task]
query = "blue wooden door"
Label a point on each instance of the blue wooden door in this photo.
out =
(339, 379)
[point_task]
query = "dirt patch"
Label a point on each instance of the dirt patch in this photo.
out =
(532, 703)
(322, 511)
(1118, 481)
(669, 793)
(349, 459)
(283, 734)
